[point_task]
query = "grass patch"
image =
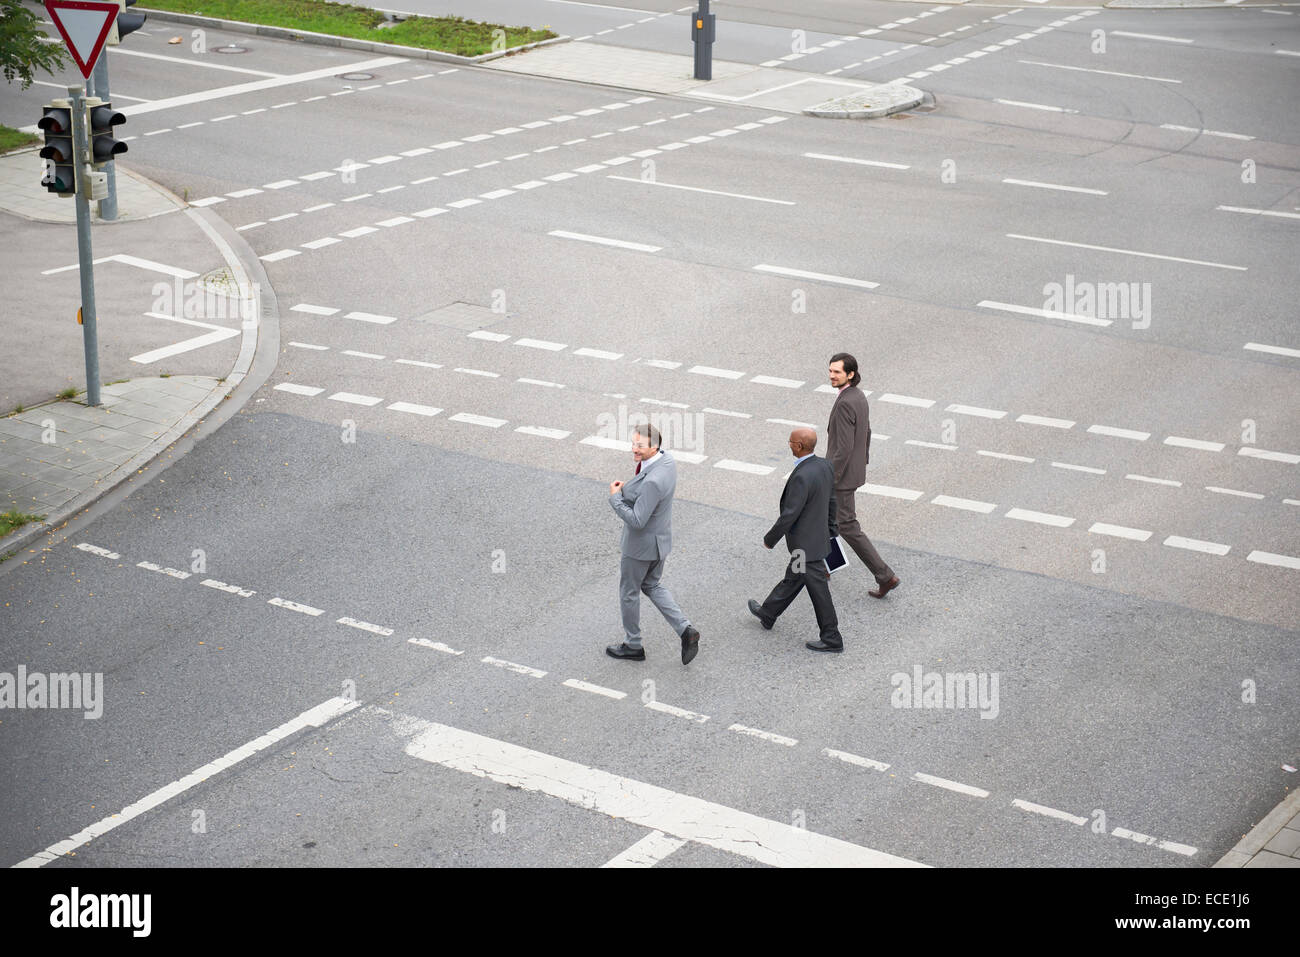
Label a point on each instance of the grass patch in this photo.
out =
(11, 139)
(447, 34)
(13, 520)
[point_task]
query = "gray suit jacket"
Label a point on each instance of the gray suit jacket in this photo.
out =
(807, 510)
(848, 438)
(645, 504)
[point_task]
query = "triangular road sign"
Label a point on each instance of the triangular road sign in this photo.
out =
(84, 25)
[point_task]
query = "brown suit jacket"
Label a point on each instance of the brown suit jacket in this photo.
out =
(849, 438)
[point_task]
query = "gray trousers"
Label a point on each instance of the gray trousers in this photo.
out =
(636, 576)
(851, 532)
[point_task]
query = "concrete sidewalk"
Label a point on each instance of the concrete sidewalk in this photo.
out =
(1273, 842)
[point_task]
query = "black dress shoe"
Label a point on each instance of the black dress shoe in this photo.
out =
(623, 651)
(820, 645)
(756, 610)
(690, 645)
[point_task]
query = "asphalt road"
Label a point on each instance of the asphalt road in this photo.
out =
(1097, 509)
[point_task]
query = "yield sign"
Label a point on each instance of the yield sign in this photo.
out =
(84, 25)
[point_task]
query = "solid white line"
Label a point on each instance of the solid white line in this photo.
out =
(1003, 455)
(1233, 491)
(679, 815)
(1045, 420)
(1192, 129)
(1119, 433)
(1084, 69)
(435, 645)
(889, 491)
(1194, 444)
(1268, 558)
(413, 408)
(1043, 518)
(1035, 106)
(1078, 468)
(905, 400)
(1275, 350)
(295, 606)
(121, 51)
(603, 241)
(1048, 812)
(717, 373)
(677, 712)
(355, 399)
(1271, 456)
(365, 626)
(1120, 531)
(860, 162)
(967, 504)
(1044, 313)
(950, 785)
(861, 762)
(511, 666)
(1149, 36)
(313, 717)
(698, 189)
(1154, 481)
(976, 410)
(1258, 212)
(765, 735)
(483, 420)
(647, 852)
(1196, 545)
(1127, 252)
(1068, 189)
(734, 466)
(824, 277)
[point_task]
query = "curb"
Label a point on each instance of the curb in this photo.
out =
(258, 353)
(860, 106)
(329, 40)
(1262, 833)
(177, 203)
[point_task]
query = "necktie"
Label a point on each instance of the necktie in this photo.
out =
(638, 468)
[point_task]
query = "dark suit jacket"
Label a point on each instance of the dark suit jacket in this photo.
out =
(807, 510)
(848, 438)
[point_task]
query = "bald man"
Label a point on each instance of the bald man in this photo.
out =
(808, 524)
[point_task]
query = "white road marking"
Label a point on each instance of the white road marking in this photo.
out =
(218, 334)
(1154, 481)
(1045, 420)
(1258, 212)
(604, 241)
(371, 317)
(950, 785)
(889, 491)
(1127, 252)
(1119, 433)
(361, 355)
(595, 689)
(1120, 531)
(1003, 455)
(1233, 491)
(462, 203)
(230, 589)
(905, 400)
(764, 735)
(597, 354)
(823, 277)
(717, 373)
(967, 504)
(96, 550)
(781, 383)
(282, 254)
(734, 466)
(795, 423)
(1196, 545)
(411, 407)
(1192, 129)
(1274, 350)
(241, 193)
(314, 717)
(541, 382)
(295, 606)
(1043, 518)
(677, 712)
(1194, 444)
(648, 851)
(431, 211)
(1149, 36)
(861, 762)
(1068, 189)
(544, 432)
(483, 420)
(1271, 456)
(931, 445)
(541, 344)
(435, 645)
(1078, 468)
(150, 566)
(699, 189)
(659, 363)
(512, 666)
(313, 310)
(1084, 69)
(1035, 106)
(394, 221)
(321, 243)
(1044, 313)
(734, 415)
(308, 345)
(976, 410)
(355, 399)
(859, 162)
(365, 626)
(678, 815)
(1268, 558)
(1048, 812)
(488, 336)
(296, 389)
(604, 442)
(359, 231)
(122, 51)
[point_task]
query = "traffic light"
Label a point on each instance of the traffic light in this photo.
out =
(125, 23)
(60, 176)
(103, 147)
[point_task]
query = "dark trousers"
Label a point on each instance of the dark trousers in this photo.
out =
(817, 580)
(851, 532)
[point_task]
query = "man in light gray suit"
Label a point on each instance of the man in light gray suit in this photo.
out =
(645, 504)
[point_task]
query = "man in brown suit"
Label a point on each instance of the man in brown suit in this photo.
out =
(849, 441)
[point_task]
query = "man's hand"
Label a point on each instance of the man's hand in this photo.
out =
(614, 487)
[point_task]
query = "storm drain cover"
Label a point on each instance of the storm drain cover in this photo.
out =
(230, 48)
(356, 76)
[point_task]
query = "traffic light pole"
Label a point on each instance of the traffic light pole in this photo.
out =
(107, 205)
(85, 257)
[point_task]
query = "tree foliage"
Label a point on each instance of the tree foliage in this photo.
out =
(22, 51)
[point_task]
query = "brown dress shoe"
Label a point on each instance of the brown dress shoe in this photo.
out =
(882, 590)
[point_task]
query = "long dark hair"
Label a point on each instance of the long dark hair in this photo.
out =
(850, 366)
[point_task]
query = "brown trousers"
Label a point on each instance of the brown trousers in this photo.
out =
(851, 532)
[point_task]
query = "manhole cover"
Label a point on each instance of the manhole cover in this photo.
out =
(230, 48)
(356, 76)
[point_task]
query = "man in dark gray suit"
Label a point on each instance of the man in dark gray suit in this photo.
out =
(645, 504)
(849, 442)
(808, 524)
